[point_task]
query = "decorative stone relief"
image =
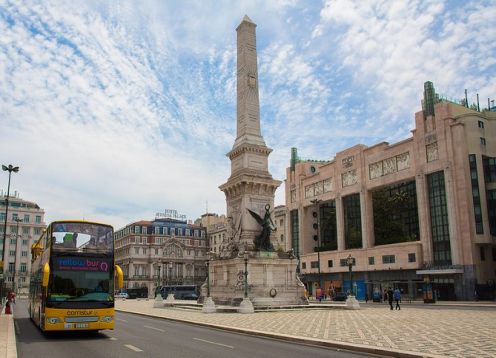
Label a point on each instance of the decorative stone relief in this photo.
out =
(309, 191)
(432, 152)
(327, 184)
(293, 196)
(403, 161)
(349, 178)
(319, 188)
(375, 170)
(389, 165)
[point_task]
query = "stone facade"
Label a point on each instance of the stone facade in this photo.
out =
(451, 241)
(161, 252)
(20, 236)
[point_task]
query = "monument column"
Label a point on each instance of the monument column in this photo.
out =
(250, 185)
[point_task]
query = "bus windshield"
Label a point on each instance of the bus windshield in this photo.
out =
(81, 279)
(81, 237)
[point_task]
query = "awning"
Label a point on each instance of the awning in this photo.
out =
(451, 271)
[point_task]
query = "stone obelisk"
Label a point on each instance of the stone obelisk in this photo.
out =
(246, 274)
(250, 185)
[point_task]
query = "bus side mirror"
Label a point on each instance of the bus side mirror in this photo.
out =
(46, 275)
(120, 277)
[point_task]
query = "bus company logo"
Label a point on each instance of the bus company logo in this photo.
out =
(81, 313)
(83, 264)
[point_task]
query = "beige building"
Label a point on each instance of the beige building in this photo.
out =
(282, 242)
(419, 214)
(161, 252)
(25, 223)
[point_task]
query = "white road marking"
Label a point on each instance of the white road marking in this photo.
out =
(133, 348)
(120, 319)
(112, 338)
(217, 344)
(157, 329)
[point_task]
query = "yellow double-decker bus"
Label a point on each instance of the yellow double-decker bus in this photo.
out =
(72, 277)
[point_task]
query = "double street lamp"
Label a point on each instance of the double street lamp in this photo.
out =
(10, 168)
(14, 286)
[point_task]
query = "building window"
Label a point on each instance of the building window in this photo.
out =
(388, 259)
(11, 267)
(411, 257)
(314, 264)
(489, 165)
(344, 262)
(24, 253)
(37, 230)
(303, 265)
(12, 252)
(26, 218)
(156, 251)
(352, 221)
(371, 260)
(24, 242)
(295, 231)
(481, 124)
(136, 250)
(395, 214)
(25, 230)
(329, 263)
(483, 140)
(476, 194)
(15, 216)
(328, 228)
(491, 210)
(13, 241)
(136, 229)
(38, 219)
(439, 219)
(482, 253)
(23, 267)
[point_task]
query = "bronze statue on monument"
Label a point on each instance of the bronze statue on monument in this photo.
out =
(262, 241)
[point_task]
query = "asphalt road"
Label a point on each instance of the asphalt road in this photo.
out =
(139, 336)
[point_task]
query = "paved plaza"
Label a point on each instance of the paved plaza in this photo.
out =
(439, 332)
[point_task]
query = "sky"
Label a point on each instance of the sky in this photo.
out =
(117, 110)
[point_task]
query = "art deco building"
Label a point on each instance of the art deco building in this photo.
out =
(417, 213)
(25, 223)
(165, 251)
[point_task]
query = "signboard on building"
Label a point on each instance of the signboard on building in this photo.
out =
(170, 214)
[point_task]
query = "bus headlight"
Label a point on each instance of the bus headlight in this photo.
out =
(107, 318)
(53, 320)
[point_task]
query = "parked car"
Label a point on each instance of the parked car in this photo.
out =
(121, 295)
(340, 296)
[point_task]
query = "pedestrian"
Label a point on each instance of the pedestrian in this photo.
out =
(397, 298)
(385, 296)
(390, 297)
(366, 297)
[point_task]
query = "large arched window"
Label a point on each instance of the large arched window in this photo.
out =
(173, 250)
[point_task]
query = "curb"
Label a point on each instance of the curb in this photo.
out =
(361, 348)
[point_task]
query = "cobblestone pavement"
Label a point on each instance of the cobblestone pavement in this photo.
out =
(452, 332)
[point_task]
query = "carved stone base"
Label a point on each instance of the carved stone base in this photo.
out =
(208, 306)
(246, 306)
(170, 300)
(352, 303)
(271, 281)
(159, 301)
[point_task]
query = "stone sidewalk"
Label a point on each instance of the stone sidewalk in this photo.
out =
(412, 331)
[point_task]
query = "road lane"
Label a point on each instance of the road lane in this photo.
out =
(140, 336)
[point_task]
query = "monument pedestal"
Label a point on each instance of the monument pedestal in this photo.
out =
(208, 306)
(159, 301)
(272, 281)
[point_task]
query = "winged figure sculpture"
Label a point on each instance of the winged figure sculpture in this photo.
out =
(262, 241)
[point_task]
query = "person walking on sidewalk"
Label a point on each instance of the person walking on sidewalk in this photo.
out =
(390, 297)
(397, 298)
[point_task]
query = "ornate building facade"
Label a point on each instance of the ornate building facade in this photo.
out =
(25, 223)
(161, 252)
(414, 214)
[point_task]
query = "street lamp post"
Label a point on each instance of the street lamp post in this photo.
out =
(349, 261)
(316, 238)
(14, 286)
(9, 169)
(207, 263)
(246, 273)
(208, 302)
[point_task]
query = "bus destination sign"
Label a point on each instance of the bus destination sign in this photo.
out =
(82, 264)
